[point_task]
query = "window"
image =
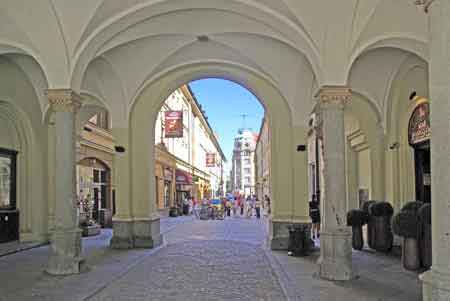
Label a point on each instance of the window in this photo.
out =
(247, 161)
(100, 120)
(7, 179)
(247, 180)
(247, 171)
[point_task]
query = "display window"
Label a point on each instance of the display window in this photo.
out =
(7, 179)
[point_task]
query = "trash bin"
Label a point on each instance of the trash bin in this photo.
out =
(299, 240)
(381, 213)
(185, 209)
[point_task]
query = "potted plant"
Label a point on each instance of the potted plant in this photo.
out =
(356, 218)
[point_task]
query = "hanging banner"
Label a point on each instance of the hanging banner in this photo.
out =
(419, 129)
(210, 160)
(173, 124)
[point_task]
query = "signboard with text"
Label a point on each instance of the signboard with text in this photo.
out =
(210, 160)
(173, 124)
(419, 129)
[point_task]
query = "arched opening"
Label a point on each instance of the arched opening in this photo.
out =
(141, 151)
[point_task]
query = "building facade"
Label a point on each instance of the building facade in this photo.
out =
(243, 163)
(191, 165)
(262, 161)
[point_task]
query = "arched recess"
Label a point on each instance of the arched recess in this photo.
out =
(17, 133)
(142, 122)
(365, 149)
(411, 76)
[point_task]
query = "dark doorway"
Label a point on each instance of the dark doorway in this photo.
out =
(423, 172)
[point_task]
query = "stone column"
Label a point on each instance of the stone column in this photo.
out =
(122, 220)
(66, 238)
(335, 260)
(378, 165)
(436, 281)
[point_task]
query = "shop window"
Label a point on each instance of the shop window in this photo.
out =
(7, 179)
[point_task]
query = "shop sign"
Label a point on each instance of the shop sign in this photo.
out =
(182, 177)
(419, 129)
(167, 174)
(173, 124)
(210, 160)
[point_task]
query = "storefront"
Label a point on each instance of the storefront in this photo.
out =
(419, 133)
(94, 186)
(184, 185)
(9, 215)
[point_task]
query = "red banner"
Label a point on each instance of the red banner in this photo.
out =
(210, 160)
(173, 124)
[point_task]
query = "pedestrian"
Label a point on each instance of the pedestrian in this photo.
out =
(235, 207)
(241, 204)
(267, 200)
(258, 208)
(249, 208)
(314, 213)
(228, 206)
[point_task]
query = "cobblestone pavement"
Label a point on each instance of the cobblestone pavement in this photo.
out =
(204, 260)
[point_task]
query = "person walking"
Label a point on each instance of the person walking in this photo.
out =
(241, 204)
(314, 213)
(267, 200)
(258, 208)
(249, 208)
(235, 208)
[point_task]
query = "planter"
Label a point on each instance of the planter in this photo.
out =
(173, 212)
(299, 242)
(356, 218)
(410, 254)
(91, 230)
(424, 214)
(381, 213)
(357, 238)
(370, 224)
(406, 225)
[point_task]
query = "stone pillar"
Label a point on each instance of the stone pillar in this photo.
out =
(65, 256)
(122, 220)
(436, 281)
(335, 260)
(378, 165)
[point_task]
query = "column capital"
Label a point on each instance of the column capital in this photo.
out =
(425, 3)
(63, 100)
(334, 95)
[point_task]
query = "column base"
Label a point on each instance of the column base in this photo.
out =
(435, 286)
(65, 258)
(142, 233)
(122, 235)
(335, 262)
(147, 233)
(278, 239)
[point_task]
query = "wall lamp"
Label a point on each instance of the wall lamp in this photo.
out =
(301, 148)
(394, 146)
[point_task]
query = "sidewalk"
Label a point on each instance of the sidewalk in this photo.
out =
(378, 277)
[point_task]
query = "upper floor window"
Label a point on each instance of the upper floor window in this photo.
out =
(101, 120)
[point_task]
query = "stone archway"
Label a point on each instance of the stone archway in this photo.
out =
(142, 221)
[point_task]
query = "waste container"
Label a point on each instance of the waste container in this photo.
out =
(406, 224)
(299, 240)
(185, 209)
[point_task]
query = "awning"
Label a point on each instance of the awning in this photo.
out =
(182, 177)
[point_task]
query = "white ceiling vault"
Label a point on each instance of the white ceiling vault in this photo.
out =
(111, 49)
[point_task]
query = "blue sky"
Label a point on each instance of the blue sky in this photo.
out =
(224, 102)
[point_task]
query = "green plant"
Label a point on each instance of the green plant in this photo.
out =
(357, 217)
(405, 224)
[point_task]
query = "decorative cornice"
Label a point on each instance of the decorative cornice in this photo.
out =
(63, 100)
(425, 3)
(334, 95)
